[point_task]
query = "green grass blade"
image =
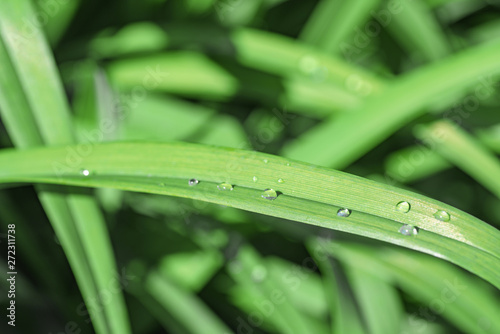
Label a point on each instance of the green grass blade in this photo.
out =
(22, 128)
(464, 151)
(33, 62)
(332, 21)
(194, 75)
(309, 194)
(34, 66)
(378, 300)
(19, 124)
(344, 311)
(280, 55)
(418, 31)
(182, 305)
(414, 163)
(444, 289)
(350, 135)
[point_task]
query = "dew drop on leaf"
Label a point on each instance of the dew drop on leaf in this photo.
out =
(403, 207)
(85, 172)
(225, 186)
(193, 182)
(407, 229)
(269, 194)
(344, 212)
(255, 179)
(281, 181)
(442, 216)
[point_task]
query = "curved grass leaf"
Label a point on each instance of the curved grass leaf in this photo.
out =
(417, 30)
(332, 21)
(443, 289)
(350, 135)
(307, 193)
(459, 148)
(76, 219)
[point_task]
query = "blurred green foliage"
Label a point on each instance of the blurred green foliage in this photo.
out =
(354, 85)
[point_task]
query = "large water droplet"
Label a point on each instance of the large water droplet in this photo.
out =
(225, 186)
(442, 216)
(259, 273)
(281, 181)
(269, 194)
(255, 179)
(344, 212)
(85, 172)
(193, 182)
(403, 207)
(408, 230)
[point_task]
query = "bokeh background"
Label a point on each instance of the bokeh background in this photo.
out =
(287, 77)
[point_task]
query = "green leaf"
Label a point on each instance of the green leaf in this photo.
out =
(464, 151)
(443, 289)
(75, 218)
(352, 134)
(309, 194)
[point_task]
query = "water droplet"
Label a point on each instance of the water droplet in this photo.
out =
(259, 273)
(269, 194)
(225, 186)
(408, 230)
(193, 182)
(85, 172)
(344, 212)
(442, 216)
(281, 181)
(403, 207)
(255, 179)
(288, 164)
(265, 161)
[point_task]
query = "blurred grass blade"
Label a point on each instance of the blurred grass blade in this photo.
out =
(57, 16)
(254, 279)
(464, 151)
(33, 67)
(444, 289)
(379, 301)
(350, 135)
(21, 126)
(373, 301)
(194, 75)
(276, 54)
(333, 21)
(417, 30)
(344, 310)
(414, 163)
(182, 305)
(310, 194)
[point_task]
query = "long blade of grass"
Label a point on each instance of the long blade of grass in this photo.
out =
(462, 150)
(332, 21)
(350, 135)
(417, 30)
(443, 289)
(32, 62)
(310, 194)
(21, 126)
(182, 305)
